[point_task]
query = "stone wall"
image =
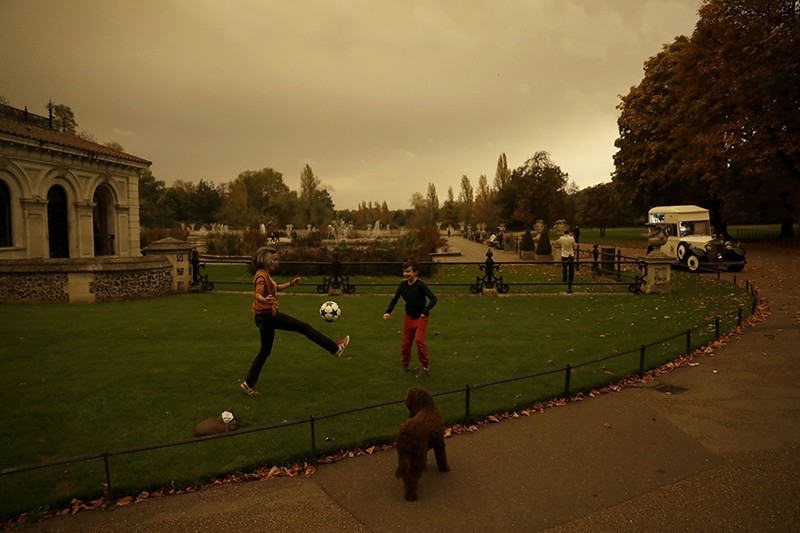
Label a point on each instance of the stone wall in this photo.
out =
(85, 281)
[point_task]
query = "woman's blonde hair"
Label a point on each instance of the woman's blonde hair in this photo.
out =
(262, 258)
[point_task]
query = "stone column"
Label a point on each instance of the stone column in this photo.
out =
(34, 211)
(84, 213)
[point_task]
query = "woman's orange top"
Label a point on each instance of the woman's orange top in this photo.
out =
(264, 285)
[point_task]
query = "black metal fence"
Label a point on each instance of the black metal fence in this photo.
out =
(466, 391)
(608, 265)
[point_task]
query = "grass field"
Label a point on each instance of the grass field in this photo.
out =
(84, 379)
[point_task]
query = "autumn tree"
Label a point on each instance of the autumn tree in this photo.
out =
(114, 145)
(316, 203)
(502, 174)
(450, 214)
(204, 203)
(151, 190)
(716, 119)
(466, 197)
(63, 117)
(536, 190)
(484, 209)
(258, 197)
(432, 205)
(600, 206)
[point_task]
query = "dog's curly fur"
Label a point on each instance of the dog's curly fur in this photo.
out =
(422, 431)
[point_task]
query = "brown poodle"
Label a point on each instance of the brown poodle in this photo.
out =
(422, 431)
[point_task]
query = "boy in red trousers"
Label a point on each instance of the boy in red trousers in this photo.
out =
(419, 301)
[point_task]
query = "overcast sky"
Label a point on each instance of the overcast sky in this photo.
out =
(379, 97)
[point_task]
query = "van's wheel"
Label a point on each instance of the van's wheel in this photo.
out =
(683, 251)
(692, 262)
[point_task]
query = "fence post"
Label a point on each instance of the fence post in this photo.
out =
(467, 391)
(313, 440)
(641, 361)
(619, 264)
(739, 317)
(688, 341)
(566, 380)
(716, 326)
(109, 497)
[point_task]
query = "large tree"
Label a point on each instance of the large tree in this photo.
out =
(484, 208)
(315, 201)
(63, 117)
(466, 197)
(501, 174)
(205, 202)
(536, 190)
(258, 197)
(151, 210)
(716, 119)
(600, 206)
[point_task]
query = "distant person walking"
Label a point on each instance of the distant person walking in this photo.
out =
(567, 242)
(419, 301)
(268, 318)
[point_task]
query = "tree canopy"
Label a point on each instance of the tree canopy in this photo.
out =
(716, 119)
(535, 190)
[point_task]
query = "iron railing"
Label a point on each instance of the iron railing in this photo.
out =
(611, 267)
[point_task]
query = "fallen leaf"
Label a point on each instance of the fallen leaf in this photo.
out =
(124, 501)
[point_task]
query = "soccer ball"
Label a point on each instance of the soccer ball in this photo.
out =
(330, 311)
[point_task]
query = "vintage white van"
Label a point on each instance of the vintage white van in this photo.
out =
(689, 238)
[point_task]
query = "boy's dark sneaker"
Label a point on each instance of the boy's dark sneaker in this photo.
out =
(423, 372)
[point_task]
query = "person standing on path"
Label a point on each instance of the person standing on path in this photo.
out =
(419, 301)
(567, 243)
(268, 318)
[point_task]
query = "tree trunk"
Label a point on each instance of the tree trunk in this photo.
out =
(787, 229)
(722, 229)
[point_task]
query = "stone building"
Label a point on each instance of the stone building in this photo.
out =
(69, 220)
(62, 196)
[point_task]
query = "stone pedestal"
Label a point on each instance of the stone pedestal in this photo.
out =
(657, 280)
(489, 292)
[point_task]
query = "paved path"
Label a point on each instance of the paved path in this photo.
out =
(723, 454)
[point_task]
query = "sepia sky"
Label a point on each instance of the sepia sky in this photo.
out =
(379, 97)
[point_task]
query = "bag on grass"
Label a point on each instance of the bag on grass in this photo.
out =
(223, 423)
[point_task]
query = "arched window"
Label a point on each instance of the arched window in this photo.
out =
(57, 221)
(5, 216)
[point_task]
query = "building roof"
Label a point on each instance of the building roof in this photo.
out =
(26, 128)
(678, 209)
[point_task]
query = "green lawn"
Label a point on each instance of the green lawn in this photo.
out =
(83, 379)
